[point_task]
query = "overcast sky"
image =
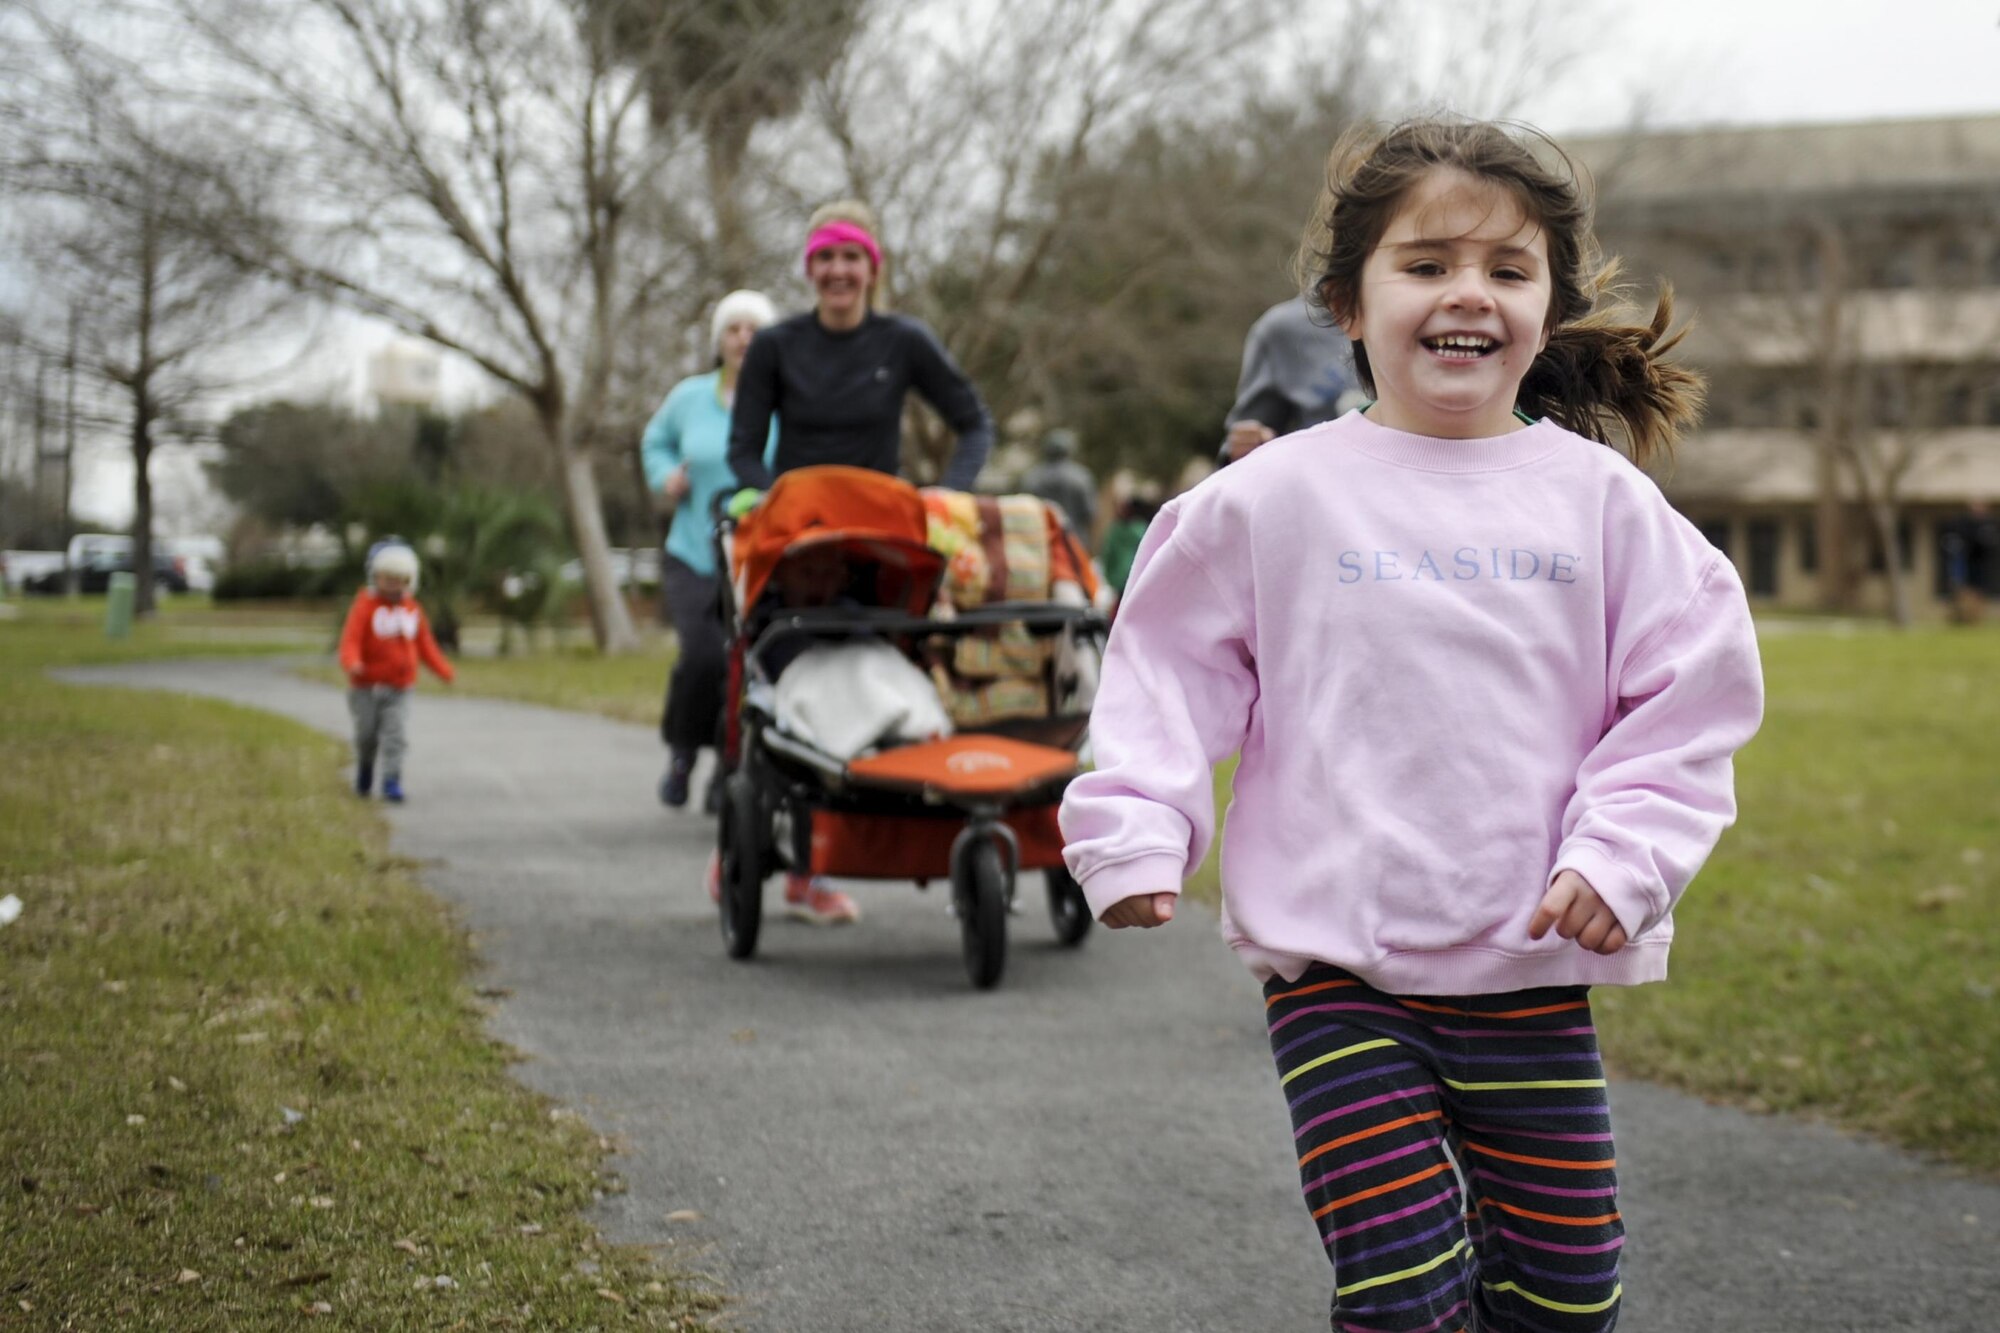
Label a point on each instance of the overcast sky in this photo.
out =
(1777, 61)
(1697, 62)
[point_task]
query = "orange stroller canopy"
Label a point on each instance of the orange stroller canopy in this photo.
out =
(873, 515)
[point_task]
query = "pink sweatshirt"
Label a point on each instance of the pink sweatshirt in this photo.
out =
(1452, 668)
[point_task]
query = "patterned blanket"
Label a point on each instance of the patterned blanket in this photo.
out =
(999, 550)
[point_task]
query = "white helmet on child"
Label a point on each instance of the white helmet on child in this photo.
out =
(395, 558)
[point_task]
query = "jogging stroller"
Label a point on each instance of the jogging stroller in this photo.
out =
(976, 806)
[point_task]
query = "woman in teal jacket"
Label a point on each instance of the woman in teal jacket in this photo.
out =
(686, 455)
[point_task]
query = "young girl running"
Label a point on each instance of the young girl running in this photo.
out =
(1486, 686)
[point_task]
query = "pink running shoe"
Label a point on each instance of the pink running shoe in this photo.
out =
(711, 878)
(807, 898)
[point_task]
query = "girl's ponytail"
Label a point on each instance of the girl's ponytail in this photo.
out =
(1603, 379)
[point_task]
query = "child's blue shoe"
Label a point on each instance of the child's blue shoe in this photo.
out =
(364, 779)
(392, 790)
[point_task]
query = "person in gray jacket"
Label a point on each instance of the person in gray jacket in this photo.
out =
(1066, 482)
(1296, 373)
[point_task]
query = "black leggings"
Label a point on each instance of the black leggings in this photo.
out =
(693, 710)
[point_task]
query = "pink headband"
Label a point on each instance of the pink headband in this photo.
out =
(843, 233)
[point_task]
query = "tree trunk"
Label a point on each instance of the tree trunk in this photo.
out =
(610, 621)
(726, 142)
(142, 425)
(1883, 512)
(1840, 401)
(1830, 531)
(143, 602)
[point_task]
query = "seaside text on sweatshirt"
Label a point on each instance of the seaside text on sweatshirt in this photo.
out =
(1452, 668)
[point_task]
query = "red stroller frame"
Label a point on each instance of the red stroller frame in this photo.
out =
(977, 807)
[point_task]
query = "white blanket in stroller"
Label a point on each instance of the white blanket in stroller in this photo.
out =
(845, 698)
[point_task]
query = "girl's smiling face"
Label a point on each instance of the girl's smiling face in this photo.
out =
(1453, 308)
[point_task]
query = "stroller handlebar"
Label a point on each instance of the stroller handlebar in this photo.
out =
(884, 620)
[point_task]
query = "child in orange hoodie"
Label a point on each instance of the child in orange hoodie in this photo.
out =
(386, 634)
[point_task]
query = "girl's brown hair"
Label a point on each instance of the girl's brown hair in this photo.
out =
(1598, 376)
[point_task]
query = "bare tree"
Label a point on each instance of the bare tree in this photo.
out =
(1839, 307)
(1921, 360)
(733, 66)
(480, 175)
(131, 303)
(1871, 379)
(973, 134)
(1091, 200)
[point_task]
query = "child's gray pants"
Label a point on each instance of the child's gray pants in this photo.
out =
(381, 714)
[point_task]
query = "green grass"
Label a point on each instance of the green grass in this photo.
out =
(242, 1073)
(1839, 957)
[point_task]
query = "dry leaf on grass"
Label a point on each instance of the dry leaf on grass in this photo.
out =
(684, 1215)
(408, 1246)
(610, 1295)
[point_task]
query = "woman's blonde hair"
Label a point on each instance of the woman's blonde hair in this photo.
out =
(1598, 376)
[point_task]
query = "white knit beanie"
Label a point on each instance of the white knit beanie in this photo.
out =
(395, 559)
(739, 305)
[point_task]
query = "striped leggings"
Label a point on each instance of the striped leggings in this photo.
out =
(1455, 1154)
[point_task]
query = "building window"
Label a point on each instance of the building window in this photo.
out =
(1892, 400)
(1992, 414)
(1957, 405)
(1764, 538)
(1943, 554)
(1717, 532)
(1877, 564)
(1956, 265)
(1894, 265)
(1762, 272)
(1809, 544)
(1760, 404)
(1808, 265)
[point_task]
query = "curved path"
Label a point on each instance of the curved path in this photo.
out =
(1096, 1146)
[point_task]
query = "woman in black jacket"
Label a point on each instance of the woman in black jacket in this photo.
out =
(835, 377)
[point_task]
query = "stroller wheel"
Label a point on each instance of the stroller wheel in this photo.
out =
(740, 833)
(980, 885)
(1067, 908)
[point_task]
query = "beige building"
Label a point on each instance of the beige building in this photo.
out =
(1844, 281)
(406, 373)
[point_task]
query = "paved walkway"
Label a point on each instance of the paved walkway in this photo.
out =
(1096, 1147)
